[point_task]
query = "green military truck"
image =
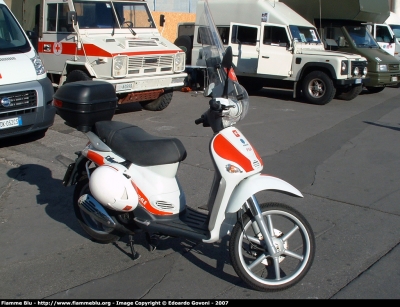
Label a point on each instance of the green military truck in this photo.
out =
(342, 25)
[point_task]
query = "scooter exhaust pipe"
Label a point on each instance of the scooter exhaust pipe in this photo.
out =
(92, 207)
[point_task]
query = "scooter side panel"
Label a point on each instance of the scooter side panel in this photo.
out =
(158, 188)
(230, 148)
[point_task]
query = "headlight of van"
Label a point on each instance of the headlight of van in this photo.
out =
(180, 59)
(382, 67)
(37, 63)
(119, 66)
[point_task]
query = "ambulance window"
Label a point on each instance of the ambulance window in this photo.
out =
(275, 36)
(224, 34)
(204, 36)
(62, 24)
(244, 35)
(383, 34)
(51, 17)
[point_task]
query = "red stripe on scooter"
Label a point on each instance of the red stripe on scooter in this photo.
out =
(227, 151)
(93, 50)
(95, 157)
(146, 204)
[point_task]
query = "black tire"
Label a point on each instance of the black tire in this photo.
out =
(97, 231)
(374, 89)
(317, 88)
(349, 93)
(158, 104)
(297, 250)
(77, 75)
(251, 84)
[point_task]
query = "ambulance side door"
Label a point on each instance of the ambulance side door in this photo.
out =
(276, 56)
(244, 40)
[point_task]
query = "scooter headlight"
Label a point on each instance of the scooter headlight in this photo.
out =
(237, 106)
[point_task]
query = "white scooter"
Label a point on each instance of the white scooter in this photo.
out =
(126, 181)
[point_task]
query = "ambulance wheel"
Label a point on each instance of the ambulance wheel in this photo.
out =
(158, 104)
(77, 75)
(318, 88)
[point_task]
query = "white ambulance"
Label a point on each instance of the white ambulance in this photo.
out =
(26, 93)
(112, 40)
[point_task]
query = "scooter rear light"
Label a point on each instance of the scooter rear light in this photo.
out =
(57, 103)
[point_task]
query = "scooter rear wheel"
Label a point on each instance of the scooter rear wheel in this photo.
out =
(292, 237)
(97, 231)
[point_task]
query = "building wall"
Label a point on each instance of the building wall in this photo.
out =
(395, 6)
(184, 6)
(172, 20)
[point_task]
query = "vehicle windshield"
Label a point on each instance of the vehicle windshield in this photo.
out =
(361, 37)
(112, 14)
(12, 37)
(304, 34)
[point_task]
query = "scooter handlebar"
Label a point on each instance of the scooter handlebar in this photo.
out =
(199, 121)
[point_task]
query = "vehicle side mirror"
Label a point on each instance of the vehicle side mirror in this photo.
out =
(162, 20)
(393, 39)
(72, 18)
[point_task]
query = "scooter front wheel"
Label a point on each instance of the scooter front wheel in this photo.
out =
(293, 239)
(97, 231)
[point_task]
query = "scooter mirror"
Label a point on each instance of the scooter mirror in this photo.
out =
(228, 57)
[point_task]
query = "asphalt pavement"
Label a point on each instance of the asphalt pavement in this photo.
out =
(344, 157)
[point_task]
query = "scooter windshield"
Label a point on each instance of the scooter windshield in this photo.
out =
(221, 77)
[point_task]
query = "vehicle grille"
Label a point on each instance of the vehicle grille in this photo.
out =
(393, 67)
(359, 64)
(150, 64)
(142, 43)
(20, 103)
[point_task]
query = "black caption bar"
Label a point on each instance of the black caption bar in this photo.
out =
(122, 303)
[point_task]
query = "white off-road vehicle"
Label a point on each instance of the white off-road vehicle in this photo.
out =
(273, 46)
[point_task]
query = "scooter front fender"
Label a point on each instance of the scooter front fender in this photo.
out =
(256, 183)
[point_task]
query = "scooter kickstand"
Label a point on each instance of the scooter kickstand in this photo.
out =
(153, 241)
(135, 254)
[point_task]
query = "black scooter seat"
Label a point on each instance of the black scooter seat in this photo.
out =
(137, 146)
